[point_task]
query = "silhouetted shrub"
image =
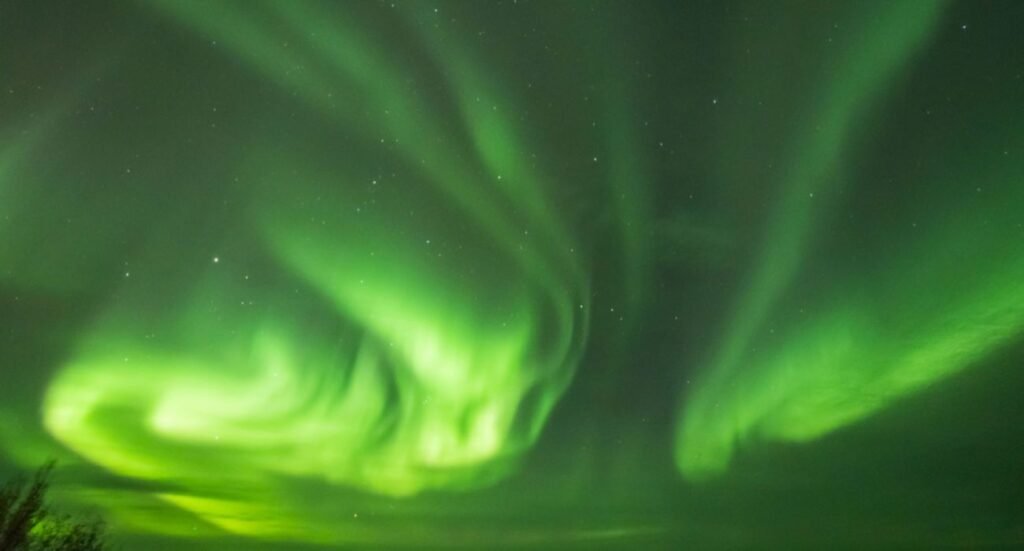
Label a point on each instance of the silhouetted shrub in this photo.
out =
(28, 524)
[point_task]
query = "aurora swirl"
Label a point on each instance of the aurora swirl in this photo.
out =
(304, 274)
(438, 383)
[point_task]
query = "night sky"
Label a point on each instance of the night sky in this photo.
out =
(517, 274)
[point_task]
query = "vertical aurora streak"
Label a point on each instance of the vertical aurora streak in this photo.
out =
(874, 338)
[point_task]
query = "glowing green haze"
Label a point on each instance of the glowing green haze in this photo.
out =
(516, 274)
(439, 381)
(792, 370)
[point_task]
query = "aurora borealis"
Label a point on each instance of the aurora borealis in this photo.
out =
(517, 274)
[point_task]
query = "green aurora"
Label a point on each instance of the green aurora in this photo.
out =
(537, 275)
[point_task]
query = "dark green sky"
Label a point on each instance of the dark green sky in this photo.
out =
(518, 274)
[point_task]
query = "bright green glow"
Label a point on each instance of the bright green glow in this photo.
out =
(468, 253)
(438, 381)
(882, 337)
(846, 361)
(424, 390)
(471, 351)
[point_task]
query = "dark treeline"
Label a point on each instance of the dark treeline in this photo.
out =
(28, 523)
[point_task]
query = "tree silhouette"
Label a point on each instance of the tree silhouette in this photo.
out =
(28, 524)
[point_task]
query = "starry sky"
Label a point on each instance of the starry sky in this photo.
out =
(517, 274)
